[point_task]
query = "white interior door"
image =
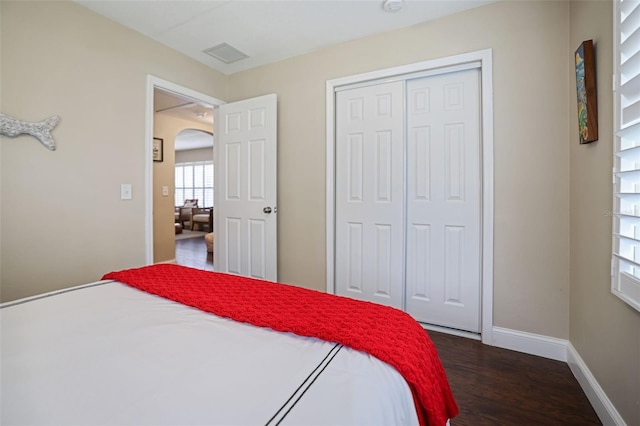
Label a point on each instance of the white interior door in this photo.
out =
(369, 193)
(245, 194)
(443, 200)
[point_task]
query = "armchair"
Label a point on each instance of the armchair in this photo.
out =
(200, 217)
(182, 214)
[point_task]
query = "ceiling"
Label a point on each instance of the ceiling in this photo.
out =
(266, 30)
(165, 103)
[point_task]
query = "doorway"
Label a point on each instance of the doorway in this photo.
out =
(159, 196)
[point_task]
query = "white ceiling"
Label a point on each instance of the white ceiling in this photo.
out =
(193, 139)
(168, 104)
(266, 30)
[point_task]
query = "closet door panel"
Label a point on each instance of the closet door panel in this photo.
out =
(443, 200)
(369, 193)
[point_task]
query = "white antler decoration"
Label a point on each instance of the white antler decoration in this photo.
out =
(13, 127)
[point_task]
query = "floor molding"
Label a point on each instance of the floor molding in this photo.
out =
(597, 397)
(534, 344)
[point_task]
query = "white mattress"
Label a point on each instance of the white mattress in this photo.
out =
(108, 354)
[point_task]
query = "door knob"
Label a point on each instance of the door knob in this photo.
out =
(266, 210)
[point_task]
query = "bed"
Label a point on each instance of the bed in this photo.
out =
(166, 344)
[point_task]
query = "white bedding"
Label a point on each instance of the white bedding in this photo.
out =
(108, 354)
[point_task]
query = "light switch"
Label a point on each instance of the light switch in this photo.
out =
(165, 191)
(125, 191)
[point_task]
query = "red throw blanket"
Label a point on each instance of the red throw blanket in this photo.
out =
(386, 333)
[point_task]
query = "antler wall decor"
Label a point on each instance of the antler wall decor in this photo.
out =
(41, 130)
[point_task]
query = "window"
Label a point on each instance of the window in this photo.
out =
(626, 162)
(194, 180)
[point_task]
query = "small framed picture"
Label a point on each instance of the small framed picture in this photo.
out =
(157, 149)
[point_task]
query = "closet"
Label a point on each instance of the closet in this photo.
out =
(408, 195)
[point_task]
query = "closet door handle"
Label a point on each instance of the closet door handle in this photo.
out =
(266, 210)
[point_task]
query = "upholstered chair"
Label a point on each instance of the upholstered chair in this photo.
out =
(201, 217)
(183, 213)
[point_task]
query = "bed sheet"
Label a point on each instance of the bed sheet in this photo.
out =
(106, 353)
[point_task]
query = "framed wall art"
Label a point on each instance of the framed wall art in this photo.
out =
(158, 150)
(586, 91)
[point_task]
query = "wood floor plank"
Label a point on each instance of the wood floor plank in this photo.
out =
(193, 252)
(495, 386)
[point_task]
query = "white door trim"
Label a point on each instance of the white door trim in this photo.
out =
(184, 92)
(485, 59)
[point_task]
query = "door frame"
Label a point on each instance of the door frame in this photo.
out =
(431, 67)
(153, 83)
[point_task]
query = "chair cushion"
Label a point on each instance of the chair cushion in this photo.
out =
(204, 218)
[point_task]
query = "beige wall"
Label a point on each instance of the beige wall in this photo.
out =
(1, 109)
(529, 42)
(604, 330)
(167, 128)
(201, 154)
(62, 220)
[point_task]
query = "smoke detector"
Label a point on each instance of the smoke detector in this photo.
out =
(392, 5)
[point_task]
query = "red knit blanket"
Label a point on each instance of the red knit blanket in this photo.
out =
(386, 333)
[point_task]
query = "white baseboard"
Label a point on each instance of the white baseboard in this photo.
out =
(599, 401)
(561, 350)
(534, 344)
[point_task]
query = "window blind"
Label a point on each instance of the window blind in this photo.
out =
(626, 203)
(194, 180)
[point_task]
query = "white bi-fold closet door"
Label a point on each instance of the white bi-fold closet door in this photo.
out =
(408, 196)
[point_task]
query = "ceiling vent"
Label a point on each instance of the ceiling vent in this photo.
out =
(225, 53)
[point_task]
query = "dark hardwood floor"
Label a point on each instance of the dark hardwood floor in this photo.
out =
(193, 252)
(495, 386)
(492, 386)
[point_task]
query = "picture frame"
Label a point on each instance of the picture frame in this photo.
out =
(586, 93)
(158, 150)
